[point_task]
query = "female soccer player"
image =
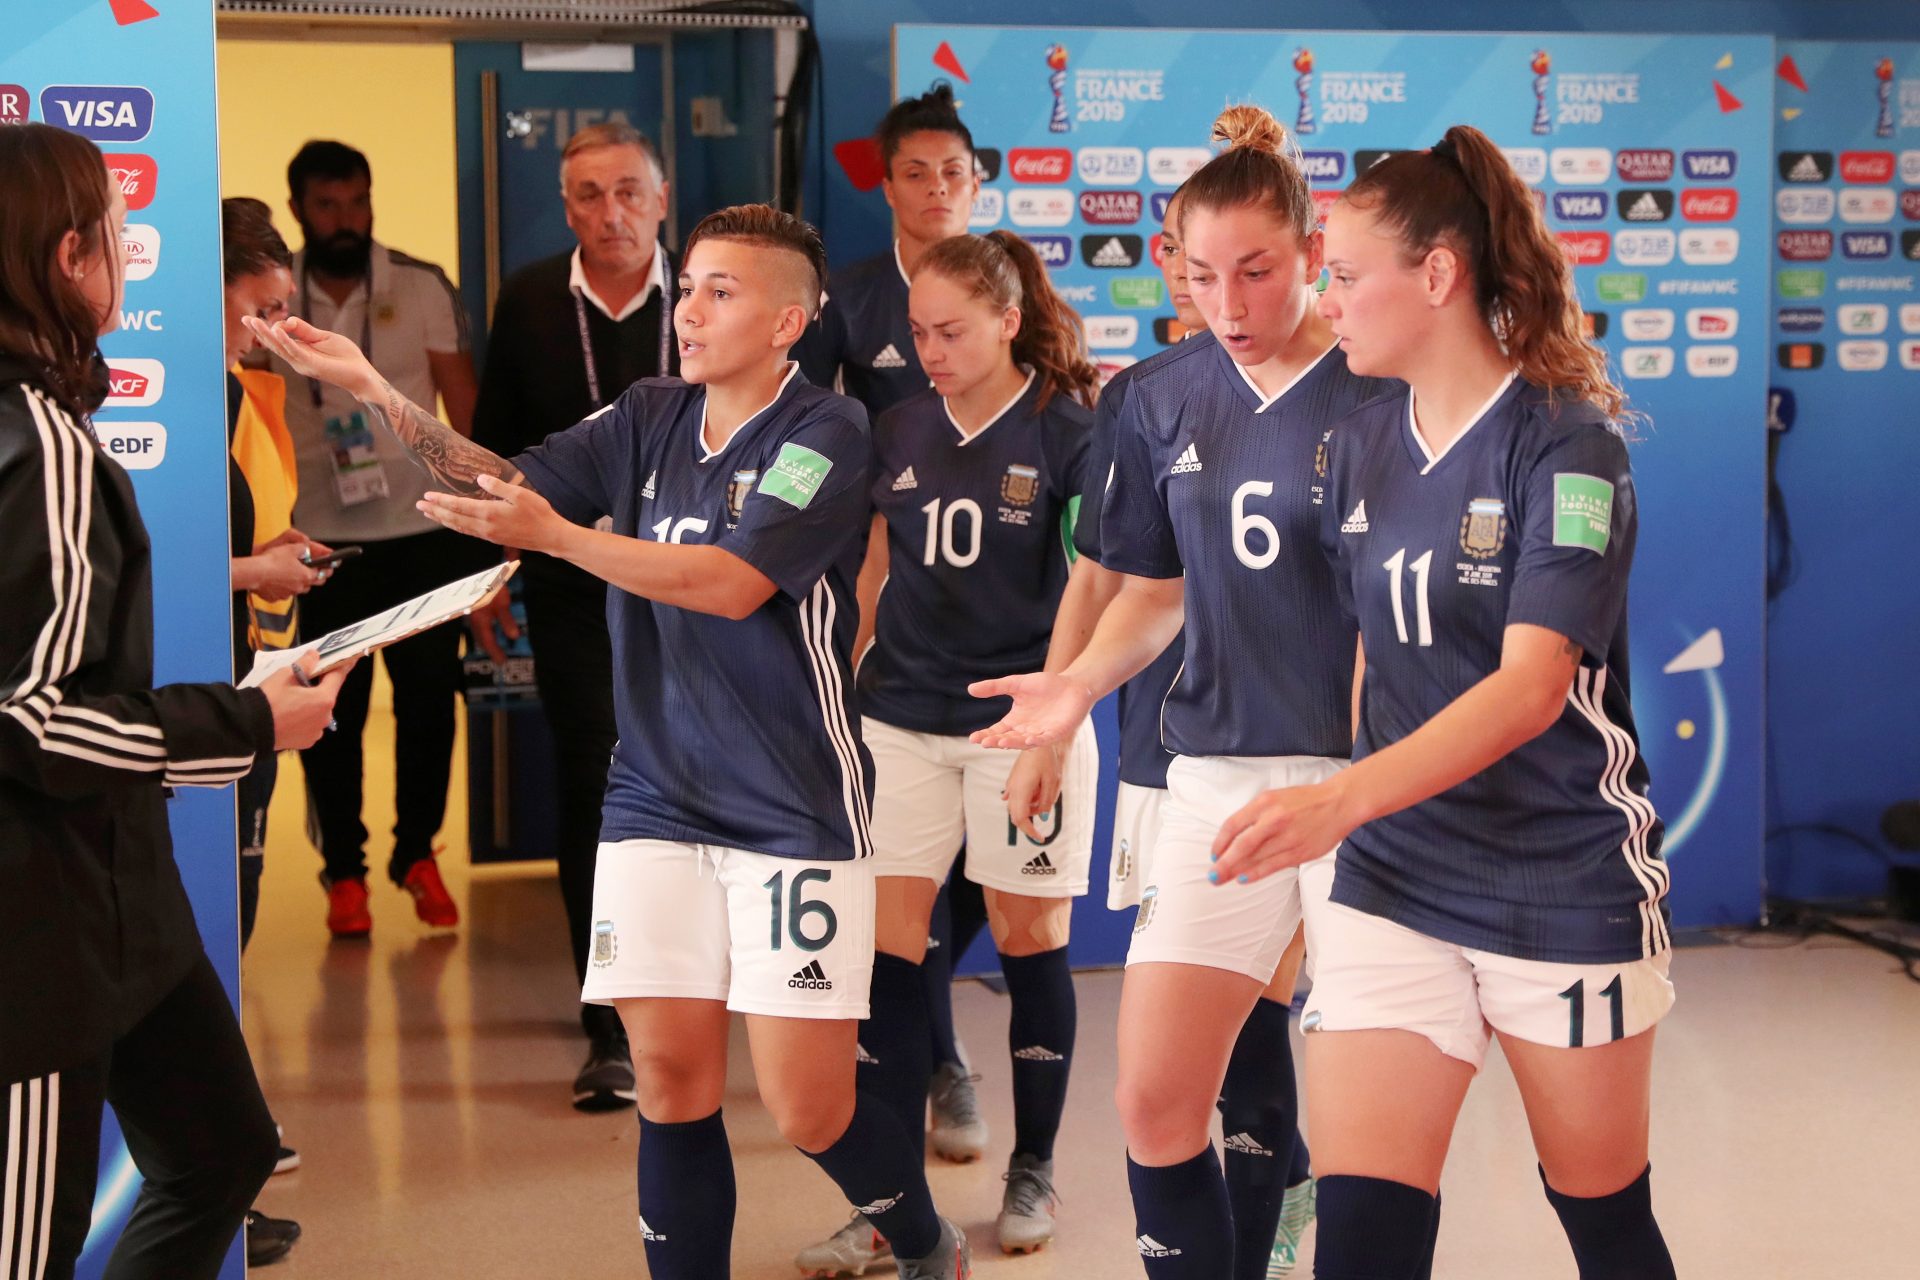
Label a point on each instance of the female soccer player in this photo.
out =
(1500, 871)
(1213, 512)
(862, 343)
(1271, 1197)
(734, 869)
(976, 486)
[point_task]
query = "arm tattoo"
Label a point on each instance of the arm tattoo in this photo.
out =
(449, 457)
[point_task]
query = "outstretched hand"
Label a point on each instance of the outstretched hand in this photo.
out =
(512, 515)
(1047, 708)
(316, 353)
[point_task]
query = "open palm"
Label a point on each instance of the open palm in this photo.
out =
(1047, 708)
(316, 353)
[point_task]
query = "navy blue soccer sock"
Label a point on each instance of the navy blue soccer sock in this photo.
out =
(685, 1172)
(1614, 1237)
(936, 976)
(1040, 1034)
(1259, 1109)
(1425, 1270)
(875, 1168)
(1301, 1167)
(896, 1055)
(1372, 1229)
(1184, 1229)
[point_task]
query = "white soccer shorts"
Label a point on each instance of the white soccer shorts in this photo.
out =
(778, 936)
(1371, 974)
(930, 790)
(1136, 826)
(1186, 919)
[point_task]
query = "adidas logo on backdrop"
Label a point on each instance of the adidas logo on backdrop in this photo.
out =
(811, 978)
(889, 358)
(1188, 461)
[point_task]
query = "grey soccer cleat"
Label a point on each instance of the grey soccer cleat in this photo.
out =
(959, 1131)
(952, 1260)
(847, 1252)
(1296, 1215)
(1026, 1207)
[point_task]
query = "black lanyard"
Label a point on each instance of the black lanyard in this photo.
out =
(586, 339)
(366, 323)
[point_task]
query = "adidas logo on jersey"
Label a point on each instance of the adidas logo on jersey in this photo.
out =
(1357, 522)
(1151, 1248)
(1039, 1053)
(905, 480)
(646, 490)
(811, 978)
(1246, 1144)
(1041, 865)
(1807, 169)
(648, 1233)
(881, 1206)
(861, 1055)
(1189, 460)
(889, 358)
(1112, 254)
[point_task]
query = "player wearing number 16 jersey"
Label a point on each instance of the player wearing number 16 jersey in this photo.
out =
(1501, 869)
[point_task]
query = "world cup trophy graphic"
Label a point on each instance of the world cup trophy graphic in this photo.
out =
(1303, 85)
(1883, 72)
(1542, 68)
(1057, 81)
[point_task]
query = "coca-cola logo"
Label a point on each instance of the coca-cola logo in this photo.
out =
(1323, 202)
(1866, 166)
(1040, 164)
(137, 175)
(1709, 204)
(1586, 248)
(1644, 166)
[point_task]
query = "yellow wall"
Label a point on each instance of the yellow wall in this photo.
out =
(392, 101)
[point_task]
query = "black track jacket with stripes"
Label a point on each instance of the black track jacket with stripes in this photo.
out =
(94, 923)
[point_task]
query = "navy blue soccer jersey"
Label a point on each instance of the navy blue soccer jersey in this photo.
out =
(742, 734)
(862, 337)
(978, 531)
(1143, 758)
(1552, 852)
(1216, 483)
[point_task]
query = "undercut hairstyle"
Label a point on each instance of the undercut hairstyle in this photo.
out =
(931, 112)
(612, 134)
(249, 242)
(56, 182)
(1463, 195)
(765, 227)
(1005, 270)
(326, 161)
(1259, 169)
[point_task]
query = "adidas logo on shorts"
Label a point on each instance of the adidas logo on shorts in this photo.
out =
(889, 358)
(1247, 1145)
(1188, 461)
(1040, 866)
(811, 978)
(1151, 1248)
(905, 480)
(1357, 522)
(1038, 1053)
(881, 1206)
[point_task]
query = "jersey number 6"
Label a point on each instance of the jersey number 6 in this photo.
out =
(797, 909)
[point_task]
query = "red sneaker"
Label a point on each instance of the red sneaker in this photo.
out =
(347, 914)
(431, 901)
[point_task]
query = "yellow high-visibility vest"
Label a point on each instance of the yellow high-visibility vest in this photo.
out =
(263, 449)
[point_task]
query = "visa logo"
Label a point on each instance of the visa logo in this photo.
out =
(1709, 164)
(1580, 206)
(1324, 166)
(101, 113)
(1054, 251)
(1867, 244)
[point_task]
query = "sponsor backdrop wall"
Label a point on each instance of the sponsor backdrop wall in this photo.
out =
(1846, 337)
(140, 84)
(1651, 160)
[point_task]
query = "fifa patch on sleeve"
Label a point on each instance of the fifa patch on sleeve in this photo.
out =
(1582, 511)
(796, 475)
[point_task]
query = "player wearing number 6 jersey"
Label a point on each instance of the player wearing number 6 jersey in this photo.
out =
(1501, 870)
(976, 485)
(1212, 514)
(734, 869)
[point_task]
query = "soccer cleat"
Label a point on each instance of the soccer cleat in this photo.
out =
(605, 1083)
(269, 1239)
(959, 1131)
(1026, 1207)
(1296, 1215)
(847, 1252)
(347, 914)
(431, 901)
(952, 1260)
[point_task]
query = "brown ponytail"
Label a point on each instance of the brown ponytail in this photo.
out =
(1003, 268)
(1260, 167)
(1465, 195)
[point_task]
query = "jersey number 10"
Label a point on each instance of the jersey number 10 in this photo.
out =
(943, 532)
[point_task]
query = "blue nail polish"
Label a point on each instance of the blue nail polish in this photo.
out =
(1213, 877)
(1213, 857)
(1243, 880)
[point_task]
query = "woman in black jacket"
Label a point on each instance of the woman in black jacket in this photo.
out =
(106, 994)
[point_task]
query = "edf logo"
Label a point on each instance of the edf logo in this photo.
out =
(101, 113)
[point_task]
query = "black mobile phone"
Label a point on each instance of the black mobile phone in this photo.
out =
(329, 561)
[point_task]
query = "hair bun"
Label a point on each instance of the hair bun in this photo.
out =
(1251, 128)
